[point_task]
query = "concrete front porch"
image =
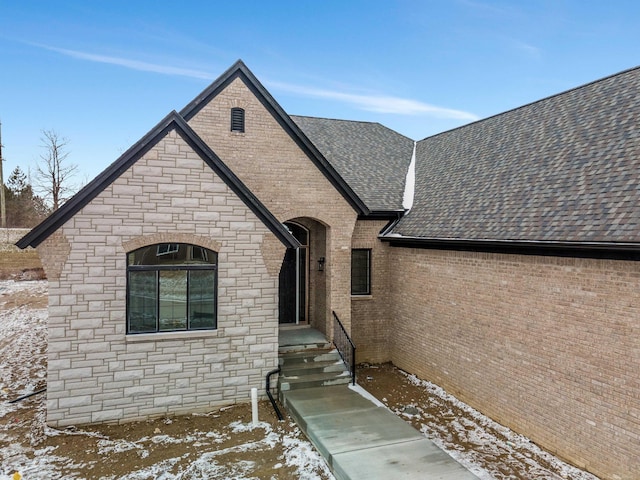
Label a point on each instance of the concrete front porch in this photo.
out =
(300, 337)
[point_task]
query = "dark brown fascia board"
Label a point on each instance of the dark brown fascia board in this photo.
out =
(604, 250)
(382, 215)
(173, 121)
(97, 185)
(240, 70)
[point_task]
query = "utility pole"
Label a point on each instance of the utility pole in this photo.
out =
(3, 203)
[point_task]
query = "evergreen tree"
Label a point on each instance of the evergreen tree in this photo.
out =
(24, 208)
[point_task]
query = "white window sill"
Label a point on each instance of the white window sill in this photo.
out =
(361, 297)
(186, 335)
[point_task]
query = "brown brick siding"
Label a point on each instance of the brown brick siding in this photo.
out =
(547, 346)
(280, 174)
(316, 297)
(54, 252)
(371, 329)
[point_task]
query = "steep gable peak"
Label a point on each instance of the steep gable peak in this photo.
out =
(237, 70)
(172, 122)
(240, 71)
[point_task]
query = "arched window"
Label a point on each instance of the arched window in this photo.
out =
(171, 287)
(237, 120)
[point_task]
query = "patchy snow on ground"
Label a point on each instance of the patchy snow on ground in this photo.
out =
(474, 428)
(10, 287)
(23, 342)
(23, 370)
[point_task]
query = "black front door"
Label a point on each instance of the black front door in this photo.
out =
(287, 287)
(293, 278)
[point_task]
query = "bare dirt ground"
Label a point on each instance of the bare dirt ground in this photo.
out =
(487, 448)
(220, 444)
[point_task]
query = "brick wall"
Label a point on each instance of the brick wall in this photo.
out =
(279, 173)
(548, 346)
(370, 314)
(96, 372)
(317, 280)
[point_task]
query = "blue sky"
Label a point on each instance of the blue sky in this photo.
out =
(104, 73)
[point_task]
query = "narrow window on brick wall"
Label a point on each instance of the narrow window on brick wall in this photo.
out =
(171, 287)
(237, 120)
(361, 271)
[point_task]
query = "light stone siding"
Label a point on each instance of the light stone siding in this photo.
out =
(97, 373)
(281, 175)
(548, 346)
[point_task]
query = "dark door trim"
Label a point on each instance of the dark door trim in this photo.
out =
(294, 278)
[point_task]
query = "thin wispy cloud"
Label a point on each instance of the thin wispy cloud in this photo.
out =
(372, 103)
(532, 50)
(378, 103)
(131, 64)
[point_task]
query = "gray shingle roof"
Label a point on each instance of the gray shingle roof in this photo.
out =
(566, 168)
(371, 158)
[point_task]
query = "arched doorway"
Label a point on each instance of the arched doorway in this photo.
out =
(294, 278)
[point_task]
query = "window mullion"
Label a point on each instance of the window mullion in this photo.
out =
(157, 301)
(165, 283)
(188, 300)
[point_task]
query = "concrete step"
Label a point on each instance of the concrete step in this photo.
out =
(315, 380)
(309, 356)
(304, 346)
(309, 368)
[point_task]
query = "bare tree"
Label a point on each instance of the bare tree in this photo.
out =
(53, 173)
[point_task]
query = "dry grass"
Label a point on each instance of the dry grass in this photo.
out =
(16, 263)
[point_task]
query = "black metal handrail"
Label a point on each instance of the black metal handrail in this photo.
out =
(345, 346)
(268, 388)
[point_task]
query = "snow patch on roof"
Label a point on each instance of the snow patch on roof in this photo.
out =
(410, 182)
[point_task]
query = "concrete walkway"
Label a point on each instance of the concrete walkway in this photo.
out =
(364, 441)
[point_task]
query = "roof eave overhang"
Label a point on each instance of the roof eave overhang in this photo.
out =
(382, 215)
(613, 250)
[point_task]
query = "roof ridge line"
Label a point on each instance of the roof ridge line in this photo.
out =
(540, 100)
(336, 119)
(354, 121)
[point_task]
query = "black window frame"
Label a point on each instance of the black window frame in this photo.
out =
(237, 120)
(366, 276)
(188, 268)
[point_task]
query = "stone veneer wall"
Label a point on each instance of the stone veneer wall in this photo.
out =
(96, 372)
(279, 173)
(371, 314)
(548, 346)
